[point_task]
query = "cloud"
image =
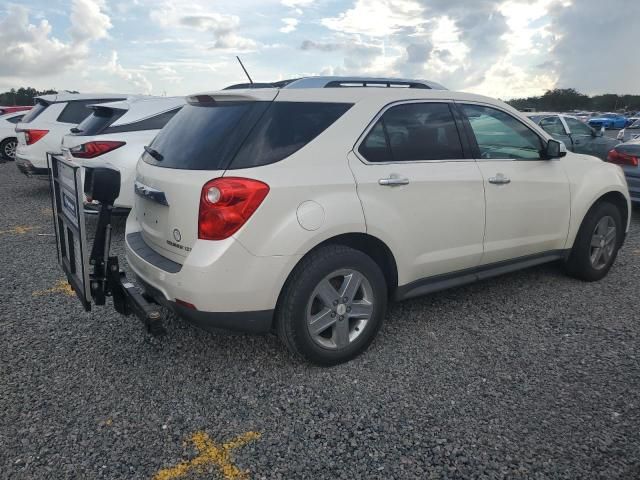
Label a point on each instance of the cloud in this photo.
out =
(31, 49)
(290, 25)
(419, 52)
(322, 47)
(134, 78)
(221, 27)
(88, 22)
(376, 19)
(594, 48)
(296, 3)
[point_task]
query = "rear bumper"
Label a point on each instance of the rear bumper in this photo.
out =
(26, 167)
(257, 322)
(229, 287)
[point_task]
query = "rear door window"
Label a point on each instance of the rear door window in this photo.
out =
(38, 108)
(284, 129)
(413, 132)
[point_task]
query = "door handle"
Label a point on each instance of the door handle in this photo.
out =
(393, 181)
(499, 179)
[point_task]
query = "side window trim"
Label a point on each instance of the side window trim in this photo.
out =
(469, 144)
(386, 138)
(370, 126)
(460, 103)
(565, 125)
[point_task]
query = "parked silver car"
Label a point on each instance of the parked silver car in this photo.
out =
(576, 135)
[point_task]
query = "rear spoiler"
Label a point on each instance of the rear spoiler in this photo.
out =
(249, 95)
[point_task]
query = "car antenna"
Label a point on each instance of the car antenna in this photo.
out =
(245, 70)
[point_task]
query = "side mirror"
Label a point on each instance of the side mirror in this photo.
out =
(555, 149)
(102, 184)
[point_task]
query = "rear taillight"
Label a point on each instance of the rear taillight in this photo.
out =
(94, 149)
(32, 136)
(226, 204)
(620, 158)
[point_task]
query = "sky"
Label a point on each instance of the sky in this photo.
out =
(500, 48)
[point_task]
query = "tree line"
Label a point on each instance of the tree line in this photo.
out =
(565, 99)
(22, 96)
(559, 99)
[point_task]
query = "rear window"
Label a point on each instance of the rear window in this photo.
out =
(77, 110)
(240, 134)
(284, 129)
(156, 122)
(413, 132)
(15, 119)
(205, 136)
(100, 119)
(39, 107)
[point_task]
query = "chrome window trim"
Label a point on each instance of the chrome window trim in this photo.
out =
(388, 106)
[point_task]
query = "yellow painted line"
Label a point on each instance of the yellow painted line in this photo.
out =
(19, 230)
(62, 286)
(210, 454)
(46, 211)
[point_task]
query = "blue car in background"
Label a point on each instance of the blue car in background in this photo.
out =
(608, 120)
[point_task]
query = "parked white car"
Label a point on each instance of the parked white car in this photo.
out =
(115, 134)
(42, 128)
(8, 140)
(304, 210)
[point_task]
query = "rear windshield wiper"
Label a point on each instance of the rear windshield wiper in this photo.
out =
(154, 153)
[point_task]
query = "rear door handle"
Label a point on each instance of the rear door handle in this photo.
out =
(393, 181)
(499, 179)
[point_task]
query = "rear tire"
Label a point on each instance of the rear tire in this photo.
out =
(332, 306)
(8, 148)
(597, 243)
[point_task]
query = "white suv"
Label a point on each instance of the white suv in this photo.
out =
(41, 129)
(303, 210)
(115, 134)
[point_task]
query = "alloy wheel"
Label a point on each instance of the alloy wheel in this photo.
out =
(603, 242)
(339, 309)
(10, 149)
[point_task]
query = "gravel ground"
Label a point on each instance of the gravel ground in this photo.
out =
(531, 375)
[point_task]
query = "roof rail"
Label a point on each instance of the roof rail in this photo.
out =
(350, 82)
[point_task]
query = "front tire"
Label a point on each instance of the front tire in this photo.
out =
(332, 306)
(8, 148)
(597, 243)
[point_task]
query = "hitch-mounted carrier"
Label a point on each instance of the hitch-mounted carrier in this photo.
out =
(106, 279)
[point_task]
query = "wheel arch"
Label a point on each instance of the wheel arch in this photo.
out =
(614, 197)
(367, 244)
